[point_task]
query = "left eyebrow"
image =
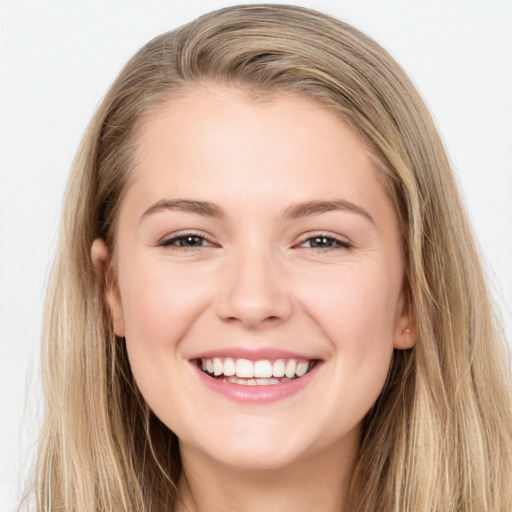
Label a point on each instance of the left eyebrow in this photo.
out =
(308, 208)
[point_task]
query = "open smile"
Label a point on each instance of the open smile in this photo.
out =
(263, 372)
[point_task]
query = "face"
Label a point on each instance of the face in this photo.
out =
(258, 277)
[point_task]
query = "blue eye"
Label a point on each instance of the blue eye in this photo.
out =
(187, 241)
(322, 242)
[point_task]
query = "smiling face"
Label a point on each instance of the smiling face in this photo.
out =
(259, 277)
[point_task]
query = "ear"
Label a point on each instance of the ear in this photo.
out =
(102, 262)
(405, 325)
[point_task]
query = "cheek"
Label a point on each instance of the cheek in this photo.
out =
(355, 306)
(160, 299)
(160, 304)
(356, 311)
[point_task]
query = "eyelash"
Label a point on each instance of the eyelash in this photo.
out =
(171, 242)
(337, 242)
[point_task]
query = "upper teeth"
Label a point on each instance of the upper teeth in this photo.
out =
(263, 368)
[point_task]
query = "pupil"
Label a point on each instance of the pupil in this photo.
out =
(321, 241)
(191, 241)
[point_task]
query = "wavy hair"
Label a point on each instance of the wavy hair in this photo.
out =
(438, 438)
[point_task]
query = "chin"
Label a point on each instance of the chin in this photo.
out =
(258, 448)
(249, 459)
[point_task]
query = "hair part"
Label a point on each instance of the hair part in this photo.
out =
(435, 438)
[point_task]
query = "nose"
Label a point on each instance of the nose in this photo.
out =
(254, 292)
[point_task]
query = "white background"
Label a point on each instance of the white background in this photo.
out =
(57, 59)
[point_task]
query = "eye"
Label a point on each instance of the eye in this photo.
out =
(186, 241)
(324, 242)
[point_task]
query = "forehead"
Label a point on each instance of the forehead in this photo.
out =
(216, 134)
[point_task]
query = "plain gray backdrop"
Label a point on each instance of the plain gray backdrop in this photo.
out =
(57, 59)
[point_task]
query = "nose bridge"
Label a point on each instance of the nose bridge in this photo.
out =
(253, 289)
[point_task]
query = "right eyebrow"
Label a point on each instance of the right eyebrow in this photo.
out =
(205, 208)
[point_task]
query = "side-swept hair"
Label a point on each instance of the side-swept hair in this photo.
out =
(439, 437)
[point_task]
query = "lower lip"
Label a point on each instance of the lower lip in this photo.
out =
(244, 393)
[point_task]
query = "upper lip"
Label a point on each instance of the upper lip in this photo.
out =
(255, 354)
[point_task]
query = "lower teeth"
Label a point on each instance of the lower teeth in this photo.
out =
(255, 382)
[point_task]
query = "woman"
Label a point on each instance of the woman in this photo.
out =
(266, 292)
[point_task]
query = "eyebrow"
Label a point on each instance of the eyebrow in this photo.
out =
(295, 211)
(316, 207)
(205, 208)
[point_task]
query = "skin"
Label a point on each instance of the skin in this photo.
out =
(256, 282)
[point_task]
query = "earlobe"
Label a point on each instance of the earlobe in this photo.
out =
(405, 328)
(102, 262)
(405, 339)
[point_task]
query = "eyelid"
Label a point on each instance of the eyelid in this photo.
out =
(168, 239)
(342, 241)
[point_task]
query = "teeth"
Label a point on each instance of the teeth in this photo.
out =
(218, 367)
(257, 382)
(244, 368)
(234, 380)
(291, 366)
(266, 382)
(262, 372)
(302, 368)
(278, 368)
(263, 369)
(229, 367)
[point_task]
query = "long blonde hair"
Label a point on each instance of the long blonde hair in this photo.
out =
(438, 438)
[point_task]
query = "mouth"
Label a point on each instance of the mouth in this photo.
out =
(263, 372)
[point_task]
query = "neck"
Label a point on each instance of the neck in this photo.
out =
(319, 483)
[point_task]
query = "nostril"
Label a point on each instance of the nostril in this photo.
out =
(253, 318)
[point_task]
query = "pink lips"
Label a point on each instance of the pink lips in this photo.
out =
(258, 393)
